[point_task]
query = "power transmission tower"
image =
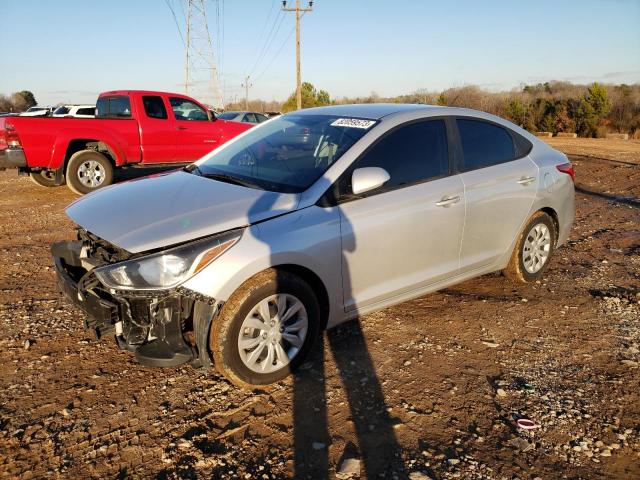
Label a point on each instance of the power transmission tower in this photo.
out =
(298, 11)
(200, 67)
(246, 86)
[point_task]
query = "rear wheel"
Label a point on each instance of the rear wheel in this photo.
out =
(534, 249)
(87, 171)
(45, 178)
(265, 329)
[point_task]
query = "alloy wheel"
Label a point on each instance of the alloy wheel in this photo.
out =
(273, 333)
(536, 248)
(91, 174)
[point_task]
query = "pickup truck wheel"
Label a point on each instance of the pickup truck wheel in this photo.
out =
(265, 329)
(45, 178)
(87, 171)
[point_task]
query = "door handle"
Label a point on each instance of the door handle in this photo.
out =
(180, 127)
(448, 201)
(526, 180)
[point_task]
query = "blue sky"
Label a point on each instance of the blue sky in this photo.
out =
(70, 50)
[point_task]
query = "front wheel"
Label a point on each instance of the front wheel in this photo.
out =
(534, 249)
(45, 178)
(265, 329)
(87, 171)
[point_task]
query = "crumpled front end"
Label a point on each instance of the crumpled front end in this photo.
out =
(162, 328)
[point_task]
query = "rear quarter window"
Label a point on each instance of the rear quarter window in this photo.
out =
(485, 144)
(117, 106)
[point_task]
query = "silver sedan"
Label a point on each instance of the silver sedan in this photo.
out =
(309, 220)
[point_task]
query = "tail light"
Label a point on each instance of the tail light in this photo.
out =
(11, 136)
(568, 169)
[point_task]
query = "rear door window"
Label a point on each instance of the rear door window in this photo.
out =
(154, 106)
(411, 154)
(117, 106)
(484, 144)
(184, 109)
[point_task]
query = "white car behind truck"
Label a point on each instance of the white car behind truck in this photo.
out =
(76, 111)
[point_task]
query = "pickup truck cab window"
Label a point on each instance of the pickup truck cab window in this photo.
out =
(154, 107)
(117, 106)
(186, 110)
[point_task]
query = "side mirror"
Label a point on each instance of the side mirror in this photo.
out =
(368, 178)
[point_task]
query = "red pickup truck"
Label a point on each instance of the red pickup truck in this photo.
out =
(132, 127)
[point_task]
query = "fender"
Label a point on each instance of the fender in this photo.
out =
(118, 144)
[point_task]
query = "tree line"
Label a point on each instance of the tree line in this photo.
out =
(588, 110)
(17, 102)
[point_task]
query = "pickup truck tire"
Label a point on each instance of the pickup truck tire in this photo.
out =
(45, 178)
(87, 171)
(241, 321)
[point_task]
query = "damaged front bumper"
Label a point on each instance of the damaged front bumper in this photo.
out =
(162, 328)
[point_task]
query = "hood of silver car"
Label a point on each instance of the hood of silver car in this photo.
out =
(171, 208)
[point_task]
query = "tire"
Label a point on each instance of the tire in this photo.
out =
(540, 234)
(45, 178)
(230, 328)
(88, 171)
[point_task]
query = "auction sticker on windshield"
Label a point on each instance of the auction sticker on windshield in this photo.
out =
(353, 122)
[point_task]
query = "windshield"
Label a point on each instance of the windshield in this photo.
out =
(287, 154)
(227, 115)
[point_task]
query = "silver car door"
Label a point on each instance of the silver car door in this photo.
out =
(407, 233)
(499, 197)
(400, 240)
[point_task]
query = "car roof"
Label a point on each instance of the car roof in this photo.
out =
(142, 92)
(238, 112)
(373, 111)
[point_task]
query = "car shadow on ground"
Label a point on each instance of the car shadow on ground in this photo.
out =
(377, 447)
(630, 201)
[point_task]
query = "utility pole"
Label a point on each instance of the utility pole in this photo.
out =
(298, 10)
(246, 86)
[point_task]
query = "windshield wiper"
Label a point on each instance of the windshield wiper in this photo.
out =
(223, 177)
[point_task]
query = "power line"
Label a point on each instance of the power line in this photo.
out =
(266, 22)
(269, 40)
(173, 13)
(279, 51)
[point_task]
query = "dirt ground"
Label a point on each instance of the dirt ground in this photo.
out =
(431, 388)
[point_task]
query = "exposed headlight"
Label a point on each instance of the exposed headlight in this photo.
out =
(167, 269)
